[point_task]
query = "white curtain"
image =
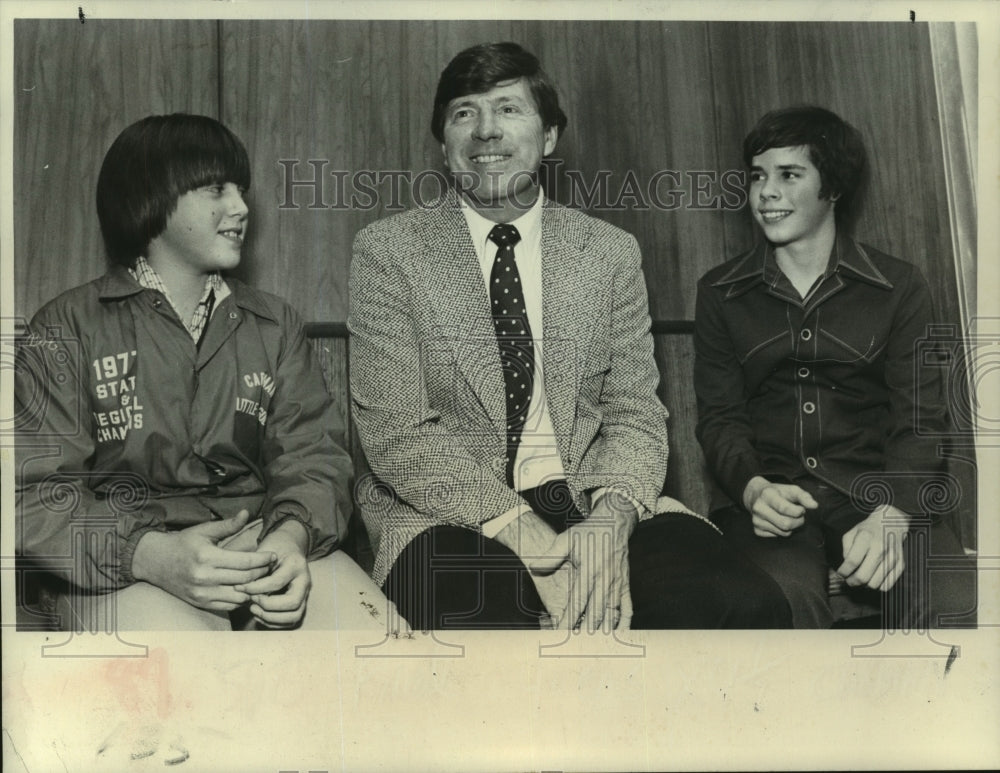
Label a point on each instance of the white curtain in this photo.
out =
(955, 53)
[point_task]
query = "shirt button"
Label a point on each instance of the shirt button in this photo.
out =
(809, 407)
(803, 372)
(811, 462)
(806, 334)
(157, 303)
(232, 315)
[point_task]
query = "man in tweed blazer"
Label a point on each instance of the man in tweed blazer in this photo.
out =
(475, 527)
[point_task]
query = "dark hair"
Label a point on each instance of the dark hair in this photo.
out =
(150, 165)
(835, 149)
(479, 68)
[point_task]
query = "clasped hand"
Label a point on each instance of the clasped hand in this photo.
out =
(278, 599)
(873, 550)
(203, 567)
(593, 556)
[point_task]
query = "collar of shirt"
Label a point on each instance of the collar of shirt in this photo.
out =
(775, 278)
(529, 226)
(146, 276)
(758, 266)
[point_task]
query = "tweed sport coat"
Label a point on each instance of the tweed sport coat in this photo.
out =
(426, 380)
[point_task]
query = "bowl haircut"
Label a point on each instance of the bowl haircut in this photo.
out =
(150, 166)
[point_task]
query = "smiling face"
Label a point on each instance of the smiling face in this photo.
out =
(494, 143)
(204, 233)
(784, 196)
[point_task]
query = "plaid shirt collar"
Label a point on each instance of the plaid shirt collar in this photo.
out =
(215, 291)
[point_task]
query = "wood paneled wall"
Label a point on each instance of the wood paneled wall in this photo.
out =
(76, 86)
(643, 99)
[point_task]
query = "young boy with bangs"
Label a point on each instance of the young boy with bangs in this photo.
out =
(187, 412)
(810, 392)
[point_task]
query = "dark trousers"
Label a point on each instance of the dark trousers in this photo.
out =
(937, 588)
(682, 574)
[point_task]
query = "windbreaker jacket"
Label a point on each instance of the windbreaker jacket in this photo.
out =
(835, 387)
(125, 426)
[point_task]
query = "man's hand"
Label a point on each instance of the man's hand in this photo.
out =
(190, 565)
(873, 550)
(279, 599)
(554, 589)
(777, 509)
(597, 551)
(530, 537)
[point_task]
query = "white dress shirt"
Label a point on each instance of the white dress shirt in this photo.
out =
(537, 459)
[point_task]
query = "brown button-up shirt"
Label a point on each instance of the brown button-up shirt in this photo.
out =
(831, 386)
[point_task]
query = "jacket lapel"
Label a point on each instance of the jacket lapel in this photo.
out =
(567, 274)
(461, 304)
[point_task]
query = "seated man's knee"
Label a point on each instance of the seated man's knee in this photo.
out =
(686, 575)
(731, 599)
(747, 597)
(757, 601)
(450, 577)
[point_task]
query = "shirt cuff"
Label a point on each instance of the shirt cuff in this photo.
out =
(597, 494)
(278, 518)
(496, 525)
(127, 553)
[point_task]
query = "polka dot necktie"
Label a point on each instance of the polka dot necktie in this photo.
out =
(517, 350)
